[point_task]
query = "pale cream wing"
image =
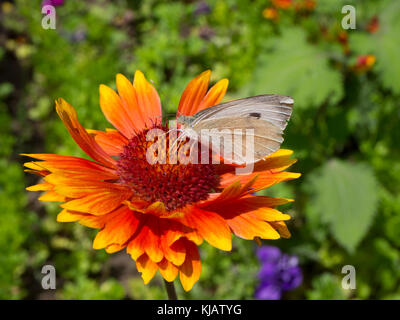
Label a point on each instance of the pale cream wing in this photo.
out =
(273, 108)
(240, 139)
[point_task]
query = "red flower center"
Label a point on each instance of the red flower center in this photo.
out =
(173, 183)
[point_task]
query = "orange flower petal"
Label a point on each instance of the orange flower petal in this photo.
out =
(210, 226)
(247, 227)
(118, 230)
(66, 165)
(34, 166)
(52, 196)
(98, 203)
(214, 95)
(282, 228)
(175, 252)
(67, 216)
(68, 115)
(233, 191)
(268, 180)
(45, 186)
(146, 267)
(95, 222)
(257, 206)
(111, 141)
(112, 248)
(268, 214)
(147, 99)
(79, 188)
(114, 111)
(167, 270)
(247, 216)
(278, 161)
(190, 270)
(37, 173)
(194, 94)
(147, 239)
(137, 112)
(263, 179)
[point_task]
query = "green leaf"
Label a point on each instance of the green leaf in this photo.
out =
(346, 197)
(326, 287)
(294, 67)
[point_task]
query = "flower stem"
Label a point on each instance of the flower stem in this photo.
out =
(170, 290)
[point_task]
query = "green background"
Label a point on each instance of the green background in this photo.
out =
(344, 132)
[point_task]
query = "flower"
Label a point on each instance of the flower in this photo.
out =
(373, 25)
(282, 4)
(364, 63)
(307, 5)
(343, 39)
(159, 212)
(270, 13)
(202, 8)
(279, 272)
(206, 33)
(54, 3)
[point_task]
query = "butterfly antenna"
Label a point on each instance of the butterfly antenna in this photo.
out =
(179, 139)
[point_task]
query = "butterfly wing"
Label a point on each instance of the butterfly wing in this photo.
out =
(274, 108)
(266, 116)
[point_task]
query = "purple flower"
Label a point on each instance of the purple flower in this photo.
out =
(269, 254)
(269, 292)
(278, 273)
(54, 3)
(202, 7)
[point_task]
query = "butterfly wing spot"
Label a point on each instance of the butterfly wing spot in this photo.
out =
(256, 115)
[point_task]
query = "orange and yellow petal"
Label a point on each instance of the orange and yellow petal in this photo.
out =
(68, 216)
(117, 230)
(209, 225)
(87, 143)
(281, 227)
(141, 114)
(44, 186)
(136, 107)
(52, 196)
(112, 107)
(214, 95)
(267, 172)
(98, 203)
(175, 253)
(148, 100)
(190, 270)
(147, 239)
(194, 94)
(111, 141)
(70, 166)
(137, 113)
(146, 267)
(168, 270)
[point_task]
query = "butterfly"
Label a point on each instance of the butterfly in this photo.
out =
(262, 118)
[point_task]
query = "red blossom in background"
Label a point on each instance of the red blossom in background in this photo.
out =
(364, 63)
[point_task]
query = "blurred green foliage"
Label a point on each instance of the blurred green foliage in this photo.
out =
(344, 131)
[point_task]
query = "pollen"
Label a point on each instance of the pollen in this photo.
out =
(171, 182)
